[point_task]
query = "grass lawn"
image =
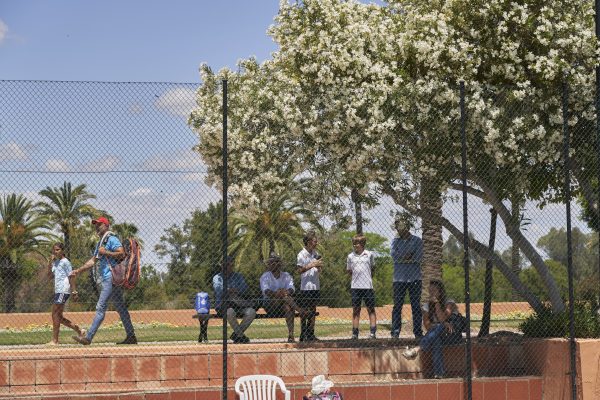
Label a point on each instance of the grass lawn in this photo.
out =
(159, 332)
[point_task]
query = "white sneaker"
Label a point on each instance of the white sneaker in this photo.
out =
(410, 353)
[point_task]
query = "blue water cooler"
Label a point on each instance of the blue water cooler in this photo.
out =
(202, 303)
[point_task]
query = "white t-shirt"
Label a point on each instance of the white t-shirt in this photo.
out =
(269, 282)
(309, 280)
(361, 266)
(61, 270)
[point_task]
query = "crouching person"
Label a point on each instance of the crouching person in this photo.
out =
(238, 304)
(443, 324)
(277, 287)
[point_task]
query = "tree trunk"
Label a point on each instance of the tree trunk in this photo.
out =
(431, 207)
(520, 241)
(515, 255)
(488, 284)
(10, 281)
(67, 237)
(355, 196)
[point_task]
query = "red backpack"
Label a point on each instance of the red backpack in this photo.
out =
(126, 273)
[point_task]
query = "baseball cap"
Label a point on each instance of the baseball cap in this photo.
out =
(101, 220)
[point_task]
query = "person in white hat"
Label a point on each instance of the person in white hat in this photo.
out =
(320, 385)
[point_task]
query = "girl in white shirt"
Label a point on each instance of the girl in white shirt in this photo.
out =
(59, 268)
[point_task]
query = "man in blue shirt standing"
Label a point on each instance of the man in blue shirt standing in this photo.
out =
(407, 253)
(238, 303)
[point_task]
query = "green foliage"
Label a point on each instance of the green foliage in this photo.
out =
(550, 324)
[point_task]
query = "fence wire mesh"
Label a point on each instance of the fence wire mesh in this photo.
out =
(342, 212)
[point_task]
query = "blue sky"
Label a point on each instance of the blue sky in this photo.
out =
(111, 127)
(131, 40)
(45, 131)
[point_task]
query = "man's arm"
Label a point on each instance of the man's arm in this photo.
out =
(117, 254)
(88, 265)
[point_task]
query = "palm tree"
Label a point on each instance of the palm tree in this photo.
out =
(23, 232)
(279, 226)
(126, 230)
(66, 207)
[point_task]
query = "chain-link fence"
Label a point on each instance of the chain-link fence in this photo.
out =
(345, 225)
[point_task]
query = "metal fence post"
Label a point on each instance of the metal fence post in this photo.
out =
(566, 157)
(463, 137)
(224, 237)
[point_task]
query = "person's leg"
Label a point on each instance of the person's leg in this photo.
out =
(302, 300)
(414, 293)
(438, 356)
(248, 317)
(433, 334)
(66, 322)
(101, 307)
(289, 320)
(356, 304)
(399, 292)
(121, 307)
(56, 316)
(370, 303)
(232, 319)
(314, 299)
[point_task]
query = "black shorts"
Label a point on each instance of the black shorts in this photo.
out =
(308, 299)
(358, 295)
(274, 307)
(60, 298)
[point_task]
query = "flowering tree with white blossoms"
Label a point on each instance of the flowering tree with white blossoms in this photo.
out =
(410, 146)
(513, 58)
(362, 96)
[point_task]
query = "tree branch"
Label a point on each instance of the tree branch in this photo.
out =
(514, 232)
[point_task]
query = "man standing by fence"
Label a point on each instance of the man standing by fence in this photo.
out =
(407, 252)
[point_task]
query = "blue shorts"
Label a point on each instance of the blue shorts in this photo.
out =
(358, 295)
(61, 298)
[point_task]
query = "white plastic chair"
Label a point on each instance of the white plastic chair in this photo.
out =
(260, 387)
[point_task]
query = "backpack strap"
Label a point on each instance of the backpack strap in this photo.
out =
(103, 242)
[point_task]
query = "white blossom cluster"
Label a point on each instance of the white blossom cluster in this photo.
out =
(365, 94)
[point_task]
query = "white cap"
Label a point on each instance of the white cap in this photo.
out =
(320, 384)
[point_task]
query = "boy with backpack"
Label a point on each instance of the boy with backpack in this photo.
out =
(360, 265)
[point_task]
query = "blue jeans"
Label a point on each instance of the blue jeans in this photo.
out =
(116, 293)
(433, 340)
(414, 293)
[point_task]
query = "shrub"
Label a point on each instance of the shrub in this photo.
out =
(547, 323)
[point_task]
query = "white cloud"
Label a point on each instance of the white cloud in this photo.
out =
(57, 165)
(140, 192)
(3, 31)
(136, 108)
(13, 152)
(103, 164)
(179, 101)
(182, 160)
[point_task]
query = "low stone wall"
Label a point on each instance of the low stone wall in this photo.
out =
(115, 369)
(503, 368)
